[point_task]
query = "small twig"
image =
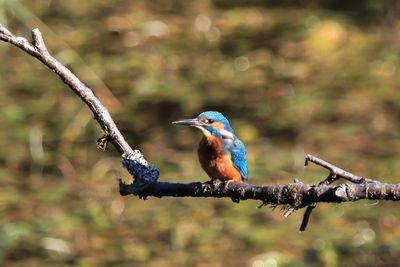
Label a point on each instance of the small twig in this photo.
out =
(289, 212)
(38, 41)
(306, 216)
(335, 172)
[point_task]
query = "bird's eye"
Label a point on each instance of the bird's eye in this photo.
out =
(210, 121)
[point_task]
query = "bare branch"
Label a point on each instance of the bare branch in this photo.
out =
(336, 172)
(38, 50)
(297, 195)
(306, 216)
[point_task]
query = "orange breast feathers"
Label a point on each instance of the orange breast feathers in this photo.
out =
(214, 162)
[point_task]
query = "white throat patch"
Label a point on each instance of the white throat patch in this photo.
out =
(226, 134)
(205, 132)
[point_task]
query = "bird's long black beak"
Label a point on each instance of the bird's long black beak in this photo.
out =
(189, 122)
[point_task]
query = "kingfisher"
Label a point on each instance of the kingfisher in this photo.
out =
(221, 153)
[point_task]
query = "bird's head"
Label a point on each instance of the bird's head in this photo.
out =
(210, 123)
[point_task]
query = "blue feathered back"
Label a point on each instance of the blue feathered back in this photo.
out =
(238, 154)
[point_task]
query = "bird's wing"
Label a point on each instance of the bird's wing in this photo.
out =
(238, 154)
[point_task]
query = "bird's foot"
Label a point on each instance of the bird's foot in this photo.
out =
(208, 184)
(229, 182)
(235, 198)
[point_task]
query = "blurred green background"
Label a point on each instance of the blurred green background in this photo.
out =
(294, 77)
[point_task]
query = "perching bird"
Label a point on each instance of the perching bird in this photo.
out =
(221, 154)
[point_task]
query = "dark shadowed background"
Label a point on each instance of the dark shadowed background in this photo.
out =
(297, 77)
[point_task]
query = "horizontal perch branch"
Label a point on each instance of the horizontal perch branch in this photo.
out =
(295, 194)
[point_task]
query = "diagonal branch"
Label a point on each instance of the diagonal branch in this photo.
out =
(112, 134)
(335, 172)
(38, 50)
